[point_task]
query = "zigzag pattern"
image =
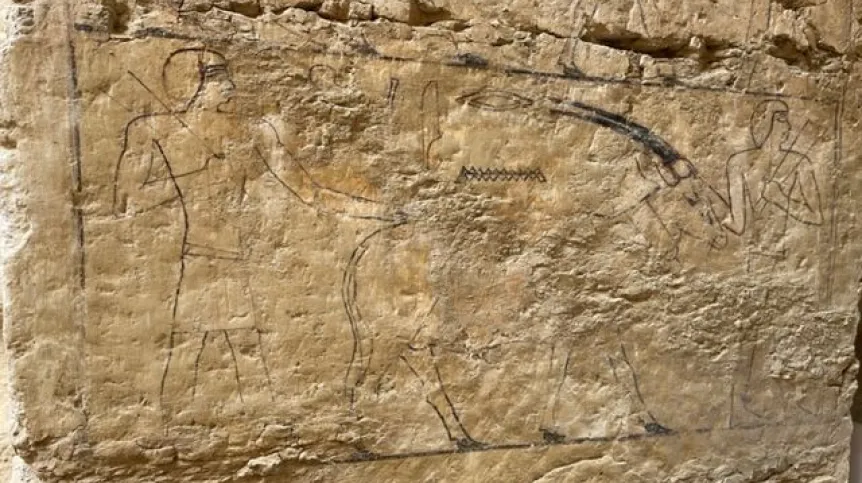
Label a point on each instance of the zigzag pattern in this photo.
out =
(473, 173)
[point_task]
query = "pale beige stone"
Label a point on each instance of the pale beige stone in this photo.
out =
(421, 240)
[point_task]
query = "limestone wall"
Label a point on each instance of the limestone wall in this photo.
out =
(431, 240)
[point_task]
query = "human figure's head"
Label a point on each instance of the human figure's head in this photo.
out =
(197, 77)
(770, 123)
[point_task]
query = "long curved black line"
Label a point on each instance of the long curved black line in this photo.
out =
(619, 124)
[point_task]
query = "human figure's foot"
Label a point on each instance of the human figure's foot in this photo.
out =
(656, 428)
(572, 71)
(467, 444)
(363, 455)
(551, 436)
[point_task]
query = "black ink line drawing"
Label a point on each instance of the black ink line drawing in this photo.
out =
(495, 100)
(73, 93)
(676, 166)
(548, 425)
(74, 107)
(363, 341)
(430, 114)
(619, 126)
(469, 59)
(643, 16)
(421, 361)
(581, 22)
(672, 168)
(758, 398)
(833, 198)
(409, 345)
(750, 20)
(745, 397)
(670, 83)
(436, 394)
(651, 424)
(362, 45)
(474, 173)
(754, 60)
(444, 407)
(366, 457)
(625, 376)
(207, 193)
(392, 93)
(363, 344)
(771, 173)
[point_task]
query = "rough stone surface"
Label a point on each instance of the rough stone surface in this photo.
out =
(430, 240)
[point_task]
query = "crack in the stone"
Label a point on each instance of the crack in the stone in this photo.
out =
(704, 49)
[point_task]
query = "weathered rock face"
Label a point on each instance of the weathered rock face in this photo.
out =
(431, 240)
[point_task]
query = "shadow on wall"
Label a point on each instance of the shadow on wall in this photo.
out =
(856, 452)
(856, 411)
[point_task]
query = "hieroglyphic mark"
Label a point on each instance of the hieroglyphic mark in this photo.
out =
(392, 92)
(430, 113)
(495, 100)
(478, 173)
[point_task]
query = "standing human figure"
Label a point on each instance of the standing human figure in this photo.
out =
(195, 160)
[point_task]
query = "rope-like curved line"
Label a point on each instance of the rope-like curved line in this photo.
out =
(619, 124)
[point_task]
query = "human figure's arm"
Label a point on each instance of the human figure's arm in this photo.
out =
(143, 178)
(292, 175)
(797, 193)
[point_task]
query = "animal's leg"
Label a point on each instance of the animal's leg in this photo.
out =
(558, 368)
(626, 375)
(424, 366)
